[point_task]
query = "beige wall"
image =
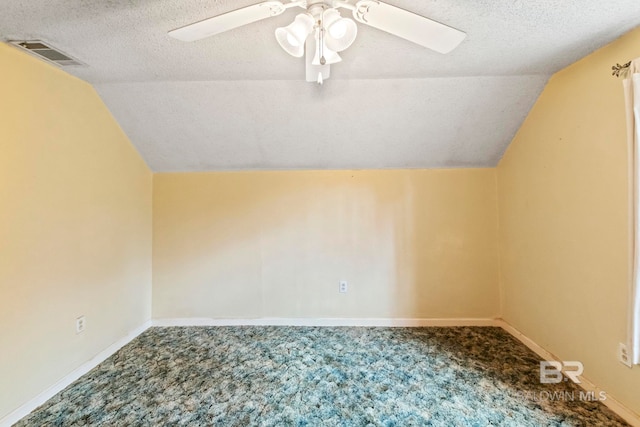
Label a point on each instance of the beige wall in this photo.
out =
(276, 244)
(75, 227)
(564, 221)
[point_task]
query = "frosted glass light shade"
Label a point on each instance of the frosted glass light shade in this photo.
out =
(341, 32)
(293, 36)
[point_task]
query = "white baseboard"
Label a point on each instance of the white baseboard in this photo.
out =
(627, 414)
(47, 394)
(277, 321)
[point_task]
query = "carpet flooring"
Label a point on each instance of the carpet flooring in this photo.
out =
(308, 376)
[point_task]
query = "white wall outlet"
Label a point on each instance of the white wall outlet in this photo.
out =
(344, 286)
(81, 322)
(623, 354)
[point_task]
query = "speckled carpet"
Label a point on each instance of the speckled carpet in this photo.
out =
(301, 376)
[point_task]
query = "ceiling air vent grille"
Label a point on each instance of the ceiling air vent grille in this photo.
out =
(46, 52)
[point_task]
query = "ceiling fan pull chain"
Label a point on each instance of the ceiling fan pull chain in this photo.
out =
(321, 37)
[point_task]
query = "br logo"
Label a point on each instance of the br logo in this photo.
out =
(552, 372)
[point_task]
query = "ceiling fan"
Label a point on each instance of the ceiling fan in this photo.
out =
(331, 32)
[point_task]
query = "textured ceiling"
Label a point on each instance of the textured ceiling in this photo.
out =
(237, 101)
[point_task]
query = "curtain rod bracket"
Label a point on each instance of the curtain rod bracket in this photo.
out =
(617, 69)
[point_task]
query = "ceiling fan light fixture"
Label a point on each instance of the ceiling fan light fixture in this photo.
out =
(292, 37)
(341, 32)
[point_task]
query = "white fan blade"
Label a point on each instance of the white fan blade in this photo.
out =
(408, 25)
(228, 21)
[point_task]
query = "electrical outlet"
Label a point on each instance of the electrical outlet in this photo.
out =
(344, 286)
(81, 322)
(623, 355)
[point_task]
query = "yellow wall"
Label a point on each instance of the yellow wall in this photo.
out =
(75, 232)
(564, 221)
(276, 244)
(75, 227)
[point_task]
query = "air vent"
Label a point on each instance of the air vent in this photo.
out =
(45, 51)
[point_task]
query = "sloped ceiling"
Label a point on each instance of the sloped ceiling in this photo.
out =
(237, 101)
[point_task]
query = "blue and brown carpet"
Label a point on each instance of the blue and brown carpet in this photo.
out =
(325, 376)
